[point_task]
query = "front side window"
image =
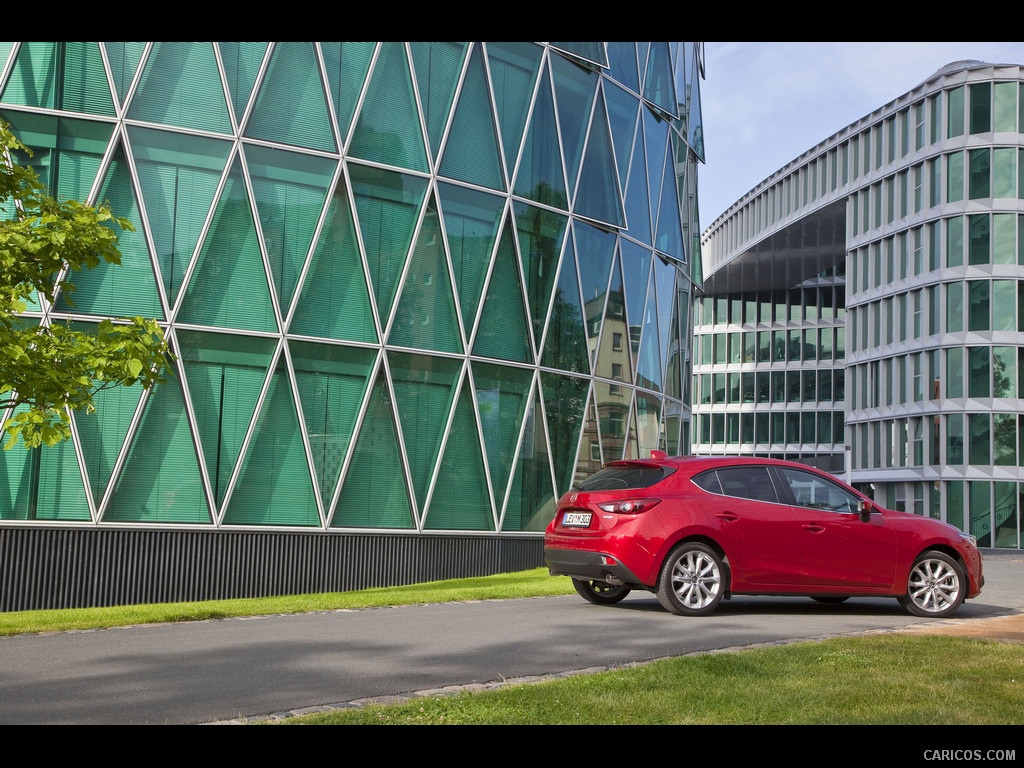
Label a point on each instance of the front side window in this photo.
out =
(814, 492)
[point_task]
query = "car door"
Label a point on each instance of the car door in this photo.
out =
(837, 547)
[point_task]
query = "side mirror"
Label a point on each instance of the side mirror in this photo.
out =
(864, 510)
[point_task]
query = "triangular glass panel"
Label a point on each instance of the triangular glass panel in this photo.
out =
(656, 139)
(503, 331)
(531, 499)
(160, 481)
(274, 486)
(622, 65)
(540, 176)
(128, 289)
(63, 75)
(589, 460)
(346, 65)
(388, 206)
(574, 93)
(622, 116)
(291, 107)
(595, 250)
(613, 361)
(636, 270)
(632, 447)
(181, 86)
(471, 220)
(613, 402)
(229, 286)
(591, 52)
(669, 234)
(502, 393)
(459, 500)
(424, 389)
(599, 196)
(695, 121)
(648, 424)
(471, 151)
(426, 317)
(375, 492)
(437, 68)
(388, 126)
(659, 85)
(332, 382)
(638, 201)
(665, 275)
(242, 62)
(565, 344)
(540, 233)
(648, 366)
(335, 303)
(178, 176)
(565, 405)
(513, 69)
(290, 190)
(225, 375)
(124, 60)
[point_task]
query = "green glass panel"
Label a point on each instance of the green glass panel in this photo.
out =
(638, 201)
(181, 86)
(565, 345)
(502, 393)
(388, 206)
(375, 493)
(63, 75)
(636, 270)
(41, 484)
(66, 153)
(622, 117)
(178, 177)
(274, 486)
(613, 360)
(124, 60)
(599, 196)
(290, 190)
(648, 374)
(225, 375)
(332, 381)
(668, 232)
(242, 62)
(291, 107)
(437, 68)
(531, 499)
(622, 64)
(347, 65)
(659, 85)
(426, 307)
(565, 403)
(541, 233)
(588, 51)
(459, 500)
(128, 289)
(335, 302)
(229, 285)
(160, 481)
(656, 141)
(574, 93)
(424, 389)
(513, 69)
(668, 325)
(648, 424)
(503, 330)
(471, 151)
(471, 220)
(589, 460)
(595, 250)
(540, 175)
(102, 433)
(632, 448)
(388, 127)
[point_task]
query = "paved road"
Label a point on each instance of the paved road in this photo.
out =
(218, 670)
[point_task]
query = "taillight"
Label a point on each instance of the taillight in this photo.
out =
(629, 506)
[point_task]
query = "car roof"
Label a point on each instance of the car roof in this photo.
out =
(692, 465)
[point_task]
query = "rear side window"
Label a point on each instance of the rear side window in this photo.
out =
(626, 477)
(746, 482)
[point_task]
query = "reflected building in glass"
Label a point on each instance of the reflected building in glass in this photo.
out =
(413, 291)
(864, 307)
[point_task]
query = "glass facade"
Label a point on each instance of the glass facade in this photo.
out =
(930, 191)
(413, 287)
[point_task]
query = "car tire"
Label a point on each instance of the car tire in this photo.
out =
(936, 586)
(692, 580)
(600, 592)
(831, 600)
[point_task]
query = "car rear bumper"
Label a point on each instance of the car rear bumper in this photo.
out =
(589, 566)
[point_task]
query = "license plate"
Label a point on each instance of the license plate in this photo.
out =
(576, 520)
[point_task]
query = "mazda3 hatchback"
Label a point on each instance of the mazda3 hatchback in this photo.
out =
(695, 530)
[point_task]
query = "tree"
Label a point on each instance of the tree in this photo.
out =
(47, 369)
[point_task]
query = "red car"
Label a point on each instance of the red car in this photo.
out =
(696, 530)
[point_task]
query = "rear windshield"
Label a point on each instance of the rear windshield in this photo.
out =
(631, 476)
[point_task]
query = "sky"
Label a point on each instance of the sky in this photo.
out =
(765, 104)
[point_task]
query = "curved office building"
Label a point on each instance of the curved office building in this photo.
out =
(865, 307)
(413, 290)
